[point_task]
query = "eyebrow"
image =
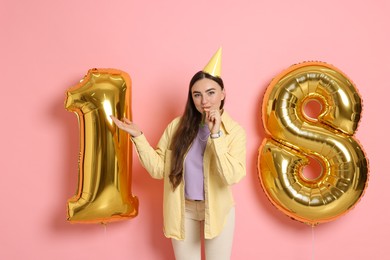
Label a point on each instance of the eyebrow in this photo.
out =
(207, 90)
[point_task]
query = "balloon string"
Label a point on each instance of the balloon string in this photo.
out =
(312, 242)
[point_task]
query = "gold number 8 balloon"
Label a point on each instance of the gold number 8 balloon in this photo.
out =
(294, 138)
(104, 184)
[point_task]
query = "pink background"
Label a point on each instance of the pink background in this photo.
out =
(48, 46)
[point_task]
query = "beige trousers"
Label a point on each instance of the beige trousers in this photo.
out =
(218, 248)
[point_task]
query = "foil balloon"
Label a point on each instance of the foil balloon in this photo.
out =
(104, 184)
(295, 138)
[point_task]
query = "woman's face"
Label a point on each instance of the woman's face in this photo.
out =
(207, 94)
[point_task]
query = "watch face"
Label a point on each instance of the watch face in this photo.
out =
(216, 135)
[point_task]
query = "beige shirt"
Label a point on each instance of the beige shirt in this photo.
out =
(224, 164)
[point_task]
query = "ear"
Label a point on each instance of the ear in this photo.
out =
(223, 94)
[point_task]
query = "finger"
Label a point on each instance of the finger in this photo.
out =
(127, 121)
(209, 116)
(119, 123)
(116, 120)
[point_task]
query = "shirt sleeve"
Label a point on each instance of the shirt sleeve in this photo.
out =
(230, 153)
(153, 160)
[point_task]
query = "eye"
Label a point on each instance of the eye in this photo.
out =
(195, 95)
(210, 93)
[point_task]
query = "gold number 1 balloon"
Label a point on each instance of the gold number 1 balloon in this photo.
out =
(294, 137)
(104, 188)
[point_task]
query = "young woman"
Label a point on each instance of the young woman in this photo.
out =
(199, 156)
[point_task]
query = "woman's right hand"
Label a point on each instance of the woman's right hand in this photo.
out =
(127, 126)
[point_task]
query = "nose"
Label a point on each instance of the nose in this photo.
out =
(204, 99)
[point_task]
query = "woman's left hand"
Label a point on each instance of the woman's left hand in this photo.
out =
(213, 120)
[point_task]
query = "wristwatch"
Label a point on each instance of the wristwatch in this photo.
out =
(216, 135)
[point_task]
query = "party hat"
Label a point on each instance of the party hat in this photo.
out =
(214, 66)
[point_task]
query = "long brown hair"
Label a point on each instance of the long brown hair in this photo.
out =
(187, 130)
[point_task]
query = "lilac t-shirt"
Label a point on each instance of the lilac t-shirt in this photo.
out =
(193, 166)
